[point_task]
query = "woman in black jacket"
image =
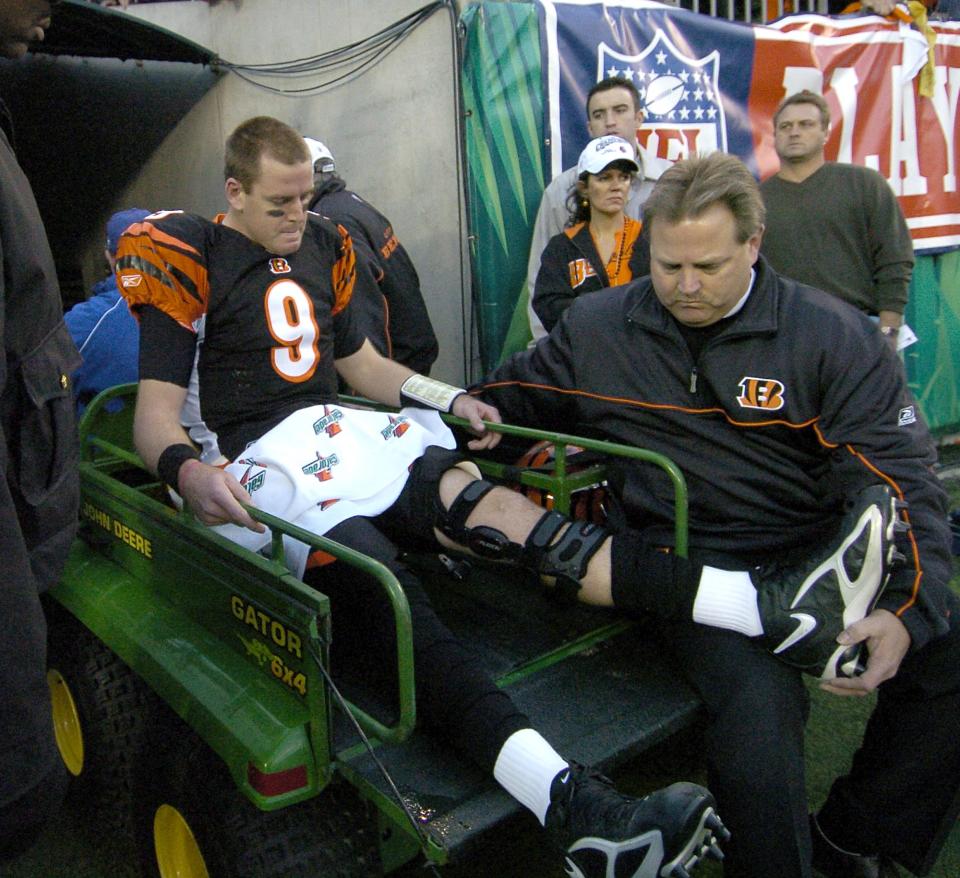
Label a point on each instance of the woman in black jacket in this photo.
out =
(601, 246)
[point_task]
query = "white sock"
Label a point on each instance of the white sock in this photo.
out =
(727, 599)
(526, 767)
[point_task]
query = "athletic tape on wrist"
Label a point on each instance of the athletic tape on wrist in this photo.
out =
(171, 459)
(428, 393)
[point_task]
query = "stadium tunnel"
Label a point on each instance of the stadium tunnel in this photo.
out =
(89, 106)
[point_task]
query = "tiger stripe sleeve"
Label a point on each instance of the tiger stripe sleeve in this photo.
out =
(157, 267)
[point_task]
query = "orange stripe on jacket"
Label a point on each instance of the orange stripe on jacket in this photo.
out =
(344, 273)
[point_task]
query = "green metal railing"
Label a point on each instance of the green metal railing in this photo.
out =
(562, 484)
(101, 431)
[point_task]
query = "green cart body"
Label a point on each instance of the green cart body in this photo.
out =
(238, 648)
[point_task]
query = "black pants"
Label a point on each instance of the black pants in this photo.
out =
(30, 768)
(454, 694)
(902, 794)
(22, 820)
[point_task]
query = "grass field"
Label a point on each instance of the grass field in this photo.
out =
(70, 849)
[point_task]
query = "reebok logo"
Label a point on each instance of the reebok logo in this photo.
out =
(907, 416)
(805, 624)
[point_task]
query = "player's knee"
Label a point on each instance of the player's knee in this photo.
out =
(454, 480)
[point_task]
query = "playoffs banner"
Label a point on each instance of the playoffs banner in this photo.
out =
(710, 84)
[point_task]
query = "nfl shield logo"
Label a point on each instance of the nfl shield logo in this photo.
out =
(683, 111)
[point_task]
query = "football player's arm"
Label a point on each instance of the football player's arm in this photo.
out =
(888, 641)
(388, 382)
(212, 494)
(166, 361)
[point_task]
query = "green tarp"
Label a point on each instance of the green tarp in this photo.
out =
(503, 102)
(933, 363)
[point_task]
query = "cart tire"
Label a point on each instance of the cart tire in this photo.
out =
(101, 712)
(193, 822)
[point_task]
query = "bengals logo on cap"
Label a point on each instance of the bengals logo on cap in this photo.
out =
(761, 393)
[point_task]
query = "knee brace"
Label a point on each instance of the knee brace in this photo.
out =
(487, 542)
(565, 560)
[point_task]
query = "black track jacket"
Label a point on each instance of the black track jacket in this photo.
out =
(796, 403)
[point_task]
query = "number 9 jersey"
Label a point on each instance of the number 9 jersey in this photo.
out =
(274, 324)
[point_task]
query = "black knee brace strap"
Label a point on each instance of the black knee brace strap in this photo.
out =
(568, 558)
(487, 542)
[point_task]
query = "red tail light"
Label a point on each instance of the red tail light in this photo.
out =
(276, 783)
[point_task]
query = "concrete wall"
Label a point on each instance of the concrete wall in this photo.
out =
(392, 129)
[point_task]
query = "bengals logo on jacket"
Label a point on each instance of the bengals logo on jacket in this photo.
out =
(761, 393)
(580, 270)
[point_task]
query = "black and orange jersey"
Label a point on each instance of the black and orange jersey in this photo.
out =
(273, 324)
(571, 266)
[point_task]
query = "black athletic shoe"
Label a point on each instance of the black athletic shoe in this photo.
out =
(829, 861)
(805, 606)
(603, 833)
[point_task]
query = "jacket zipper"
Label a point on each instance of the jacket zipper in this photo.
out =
(693, 380)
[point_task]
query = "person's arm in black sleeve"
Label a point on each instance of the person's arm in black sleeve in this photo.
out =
(27, 751)
(871, 418)
(367, 302)
(529, 387)
(552, 293)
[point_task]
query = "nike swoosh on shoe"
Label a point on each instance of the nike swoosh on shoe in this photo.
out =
(805, 624)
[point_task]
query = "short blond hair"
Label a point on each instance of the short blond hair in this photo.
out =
(692, 186)
(259, 136)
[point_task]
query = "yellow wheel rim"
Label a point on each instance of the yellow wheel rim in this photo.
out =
(66, 722)
(178, 854)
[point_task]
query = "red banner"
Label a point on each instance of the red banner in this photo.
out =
(869, 71)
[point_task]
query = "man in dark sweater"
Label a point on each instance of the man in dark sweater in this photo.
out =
(834, 226)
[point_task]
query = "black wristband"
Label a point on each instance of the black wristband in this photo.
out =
(171, 459)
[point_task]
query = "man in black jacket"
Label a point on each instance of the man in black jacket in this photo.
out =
(398, 325)
(778, 404)
(39, 488)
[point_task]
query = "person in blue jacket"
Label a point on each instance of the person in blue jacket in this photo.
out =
(102, 327)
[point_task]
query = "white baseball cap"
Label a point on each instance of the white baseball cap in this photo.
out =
(602, 152)
(322, 157)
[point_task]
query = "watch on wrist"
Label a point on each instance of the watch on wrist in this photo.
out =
(890, 331)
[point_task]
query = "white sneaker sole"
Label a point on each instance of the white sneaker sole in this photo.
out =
(859, 595)
(701, 846)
